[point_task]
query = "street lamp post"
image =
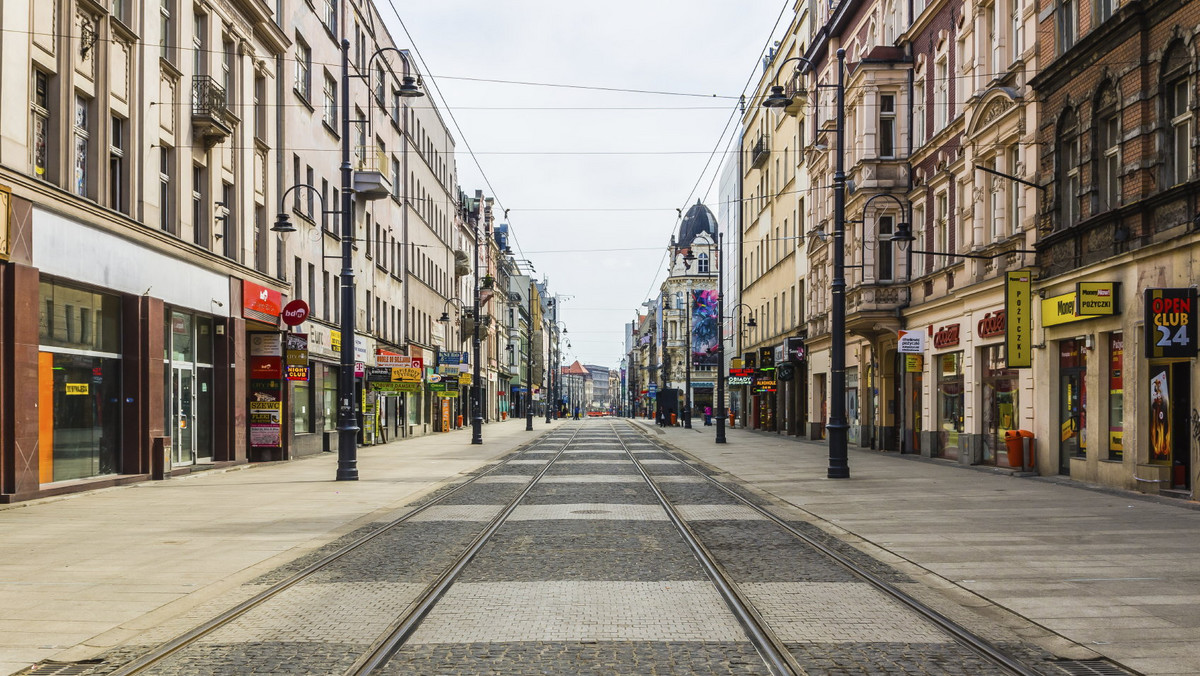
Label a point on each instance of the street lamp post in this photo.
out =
(476, 386)
(839, 467)
(720, 339)
(529, 365)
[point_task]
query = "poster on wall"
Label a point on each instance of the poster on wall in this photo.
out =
(1160, 414)
(704, 327)
(266, 424)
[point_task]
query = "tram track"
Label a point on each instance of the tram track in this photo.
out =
(148, 662)
(957, 632)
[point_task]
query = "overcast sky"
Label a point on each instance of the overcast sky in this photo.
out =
(592, 180)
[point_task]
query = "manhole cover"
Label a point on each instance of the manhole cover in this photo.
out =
(1091, 668)
(591, 511)
(61, 668)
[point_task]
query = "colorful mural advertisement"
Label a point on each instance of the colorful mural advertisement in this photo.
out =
(704, 327)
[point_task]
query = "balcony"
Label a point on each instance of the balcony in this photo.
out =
(760, 151)
(210, 111)
(871, 308)
(371, 173)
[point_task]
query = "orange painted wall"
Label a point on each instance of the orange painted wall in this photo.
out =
(45, 417)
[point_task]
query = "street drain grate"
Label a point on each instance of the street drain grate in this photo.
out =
(61, 668)
(1091, 668)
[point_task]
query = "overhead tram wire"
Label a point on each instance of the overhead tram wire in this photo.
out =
(749, 79)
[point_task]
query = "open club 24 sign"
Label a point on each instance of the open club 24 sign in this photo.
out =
(1171, 323)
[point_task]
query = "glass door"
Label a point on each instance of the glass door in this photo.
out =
(183, 423)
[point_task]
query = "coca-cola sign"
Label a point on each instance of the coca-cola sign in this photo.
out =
(295, 312)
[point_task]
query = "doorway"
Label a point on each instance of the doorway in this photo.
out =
(183, 422)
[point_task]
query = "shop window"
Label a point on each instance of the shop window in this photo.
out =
(1072, 402)
(950, 404)
(1116, 396)
(301, 407)
(329, 376)
(1000, 400)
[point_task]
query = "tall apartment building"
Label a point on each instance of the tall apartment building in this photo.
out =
(140, 187)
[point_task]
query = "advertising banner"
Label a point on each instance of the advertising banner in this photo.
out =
(266, 424)
(704, 327)
(1018, 319)
(260, 303)
(911, 342)
(1170, 323)
(1097, 298)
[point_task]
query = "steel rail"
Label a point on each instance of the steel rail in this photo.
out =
(399, 632)
(173, 646)
(961, 634)
(770, 647)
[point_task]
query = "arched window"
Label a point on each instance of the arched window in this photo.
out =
(1067, 156)
(1108, 147)
(1177, 116)
(702, 264)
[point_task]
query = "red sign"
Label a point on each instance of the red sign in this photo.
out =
(295, 312)
(992, 324)
(260, 303)
(265, 368)
(946, 336)
(741, 372)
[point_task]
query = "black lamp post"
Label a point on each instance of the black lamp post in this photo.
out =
(839, 466)
(476, 386)
(529, 365)
(721, 373)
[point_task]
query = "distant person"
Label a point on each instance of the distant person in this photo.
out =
(577, 413)
(708, 416)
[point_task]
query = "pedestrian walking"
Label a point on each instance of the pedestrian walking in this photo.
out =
(708, 416)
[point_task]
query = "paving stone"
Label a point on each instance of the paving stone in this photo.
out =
(718, 513)
(891, 659)
(590, 492)
(590, 511)
(502, 612)
(535, 658)
(585, 550)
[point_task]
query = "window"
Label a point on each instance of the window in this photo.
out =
(260, 107)
(41, 124)
(325, 295)
(381, 86)
(166, 43)
(995, 201)
(229, 230)
(1104, 10)
(298, 279)
(1108, 144)
(310, 194)
(1177, 91)
(1013, 213)
(165, 205)
(199, 203)
(941, 94)
(396, 180)
(885, 251)
(887, 125)
(1068, 171)
(228, 71)
(918, 118)
(992, 25)
(330, 93)
(702, 264)
(82, 141)
(303, 69)
(941, 225)
(199, 52)
(327, 204)
(116, 167)
(1015, 33)
(1116, 396)
(329, 15)
(120, 10)
(1067, 26)
(312, 285)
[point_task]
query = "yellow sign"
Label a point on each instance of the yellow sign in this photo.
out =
(1060, 310)
(77, 388)
(464, 378)
(406, 374)
(335, 340)
(737, 363)
(1096, 298)
(1018, 319)
(914, 363)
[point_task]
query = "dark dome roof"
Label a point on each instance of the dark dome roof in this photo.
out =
(697, 220)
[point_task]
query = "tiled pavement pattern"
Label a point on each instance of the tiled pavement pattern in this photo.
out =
(586, 577)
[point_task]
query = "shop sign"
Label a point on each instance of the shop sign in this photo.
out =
(738, 381)
(265, 423)
(992, 324)
(914, 363)
(260, 303)
(296, 349)
(785, 372)
(652, 389)
(947, 336)
(797, 352)
(1060, 309)
(297, 372)
(1018, 319)
(295, 312)
(335, 340)
(464, 378)
(77, 389)
(1170, 323)
(741, 372)
(749, 360)
(1097, 299)
(737, 363)
(451, 358)
(265, 368)
(702, 385)
(766, 358)
(266, 345)
(361, 349)
(910, 342)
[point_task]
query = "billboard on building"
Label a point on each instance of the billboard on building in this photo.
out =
(704, 327)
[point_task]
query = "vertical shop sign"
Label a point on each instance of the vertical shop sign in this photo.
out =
(296, 355)
(266, 390)
(1018, 319)
(1170, 323)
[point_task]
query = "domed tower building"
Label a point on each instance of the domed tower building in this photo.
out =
(689, 315)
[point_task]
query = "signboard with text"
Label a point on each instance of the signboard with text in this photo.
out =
(1170, 323)
(1018, 319)
(910, 342)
